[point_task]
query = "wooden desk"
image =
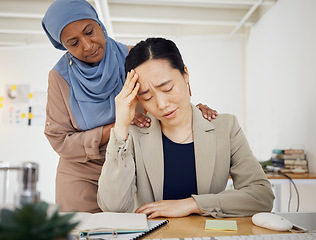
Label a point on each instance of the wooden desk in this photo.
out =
(194, 226)
(305, 178)
(294, 176)
(277, 180)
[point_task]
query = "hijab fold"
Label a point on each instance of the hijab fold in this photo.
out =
(93, 88)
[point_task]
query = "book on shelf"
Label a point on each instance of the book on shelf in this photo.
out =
(298, 162)
(288, 151)
(277, 163)
(281, 162)
(294, 151)
(109, 223)
(277, 151)
(288, 156)
(290, 160)
(294, 170)
(293, 166)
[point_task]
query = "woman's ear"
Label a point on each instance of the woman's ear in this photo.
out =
(186, 78)
(186, 75)
(103, 30)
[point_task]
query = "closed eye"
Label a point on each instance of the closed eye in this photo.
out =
(169, 89)
(148, 99)
(74, 43)
(90, 32)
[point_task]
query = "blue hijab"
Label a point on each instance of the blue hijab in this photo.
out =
(92, 87)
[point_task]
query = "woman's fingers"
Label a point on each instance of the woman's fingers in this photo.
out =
(155, 214)
(125, 105)
(129, 84)
(137, 123)
(131, 80)
(130, 97)
(207, 112)
(146, 207)
(154, 209)
(141, 120)
(170, 208)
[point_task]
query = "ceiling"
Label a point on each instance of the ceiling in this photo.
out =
(20, 20)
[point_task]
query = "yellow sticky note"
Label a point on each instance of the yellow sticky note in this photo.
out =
(13, 87)
(222, 225)
(30, 95)
(1, 99)
(23, 115)
(1, 105)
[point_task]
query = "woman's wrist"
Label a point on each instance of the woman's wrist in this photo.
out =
(193, 206)
(121, 132)
(106, 133)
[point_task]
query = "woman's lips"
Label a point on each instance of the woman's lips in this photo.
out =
(170, 114)
(95, 53)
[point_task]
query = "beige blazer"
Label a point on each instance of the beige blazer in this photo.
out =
(133, 172)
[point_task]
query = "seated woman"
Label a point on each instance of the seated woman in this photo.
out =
(181, 163)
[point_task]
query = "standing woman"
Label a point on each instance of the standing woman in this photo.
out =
(80, 104)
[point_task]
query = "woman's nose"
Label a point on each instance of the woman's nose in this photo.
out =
(87, 44)
(162, 101)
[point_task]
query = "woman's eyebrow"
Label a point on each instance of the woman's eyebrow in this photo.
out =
(82, 31)
(86, 27)
(156, 86)
(162, 84)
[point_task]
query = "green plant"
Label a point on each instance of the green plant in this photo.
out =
(266, 163)
(31, 222)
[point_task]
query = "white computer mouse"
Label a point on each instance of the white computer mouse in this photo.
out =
(271, 221)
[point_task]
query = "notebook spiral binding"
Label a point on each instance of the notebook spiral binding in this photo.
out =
(151, 230)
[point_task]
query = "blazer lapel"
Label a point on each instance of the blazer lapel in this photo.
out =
(204, 147)
(152, 153)
(205, 151)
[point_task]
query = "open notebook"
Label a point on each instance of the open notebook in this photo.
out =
(153, 225)
(108, 223)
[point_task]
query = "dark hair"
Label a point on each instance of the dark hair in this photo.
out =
(154, 48)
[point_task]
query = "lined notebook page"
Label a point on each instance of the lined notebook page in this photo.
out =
(120, 222)
(117, 221)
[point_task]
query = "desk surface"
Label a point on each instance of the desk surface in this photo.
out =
(194, 226)
(272, 175)
(291, 175)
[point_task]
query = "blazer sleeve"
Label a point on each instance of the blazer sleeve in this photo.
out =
(68, 141)
(117, 182)
(252, 191)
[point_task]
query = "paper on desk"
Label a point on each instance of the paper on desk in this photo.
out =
(224, 225)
